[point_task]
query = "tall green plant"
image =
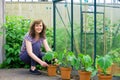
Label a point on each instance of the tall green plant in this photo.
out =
(104, 62)
(115, 53)
(16, 27)
(62, 39)
(0, 33)
(67, 58)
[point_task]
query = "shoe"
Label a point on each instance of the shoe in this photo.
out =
(36, 72)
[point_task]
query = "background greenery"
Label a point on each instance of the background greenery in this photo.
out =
(16, 27)
(108, 38)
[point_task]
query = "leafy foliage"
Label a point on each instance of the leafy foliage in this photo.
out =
(16, 27)
(51, 57)
(115, 56)
(85, 62)
(67, 58)
(62, 37)
(0, 33)
(104, 62)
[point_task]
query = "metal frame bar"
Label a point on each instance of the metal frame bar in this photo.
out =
(72, 35)
(92, 12)
(62, 20)
(67, 10)
(95, 31)
(81, 26)
(54, 24)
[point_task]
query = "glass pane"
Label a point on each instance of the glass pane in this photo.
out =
(14, 0)
(22, 0)
(35, 0)
(28, 0)
(7, 0)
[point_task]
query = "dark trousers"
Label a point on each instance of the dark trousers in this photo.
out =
(28, 60)
(36, 50)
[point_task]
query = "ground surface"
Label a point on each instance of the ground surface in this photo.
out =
(23, 74)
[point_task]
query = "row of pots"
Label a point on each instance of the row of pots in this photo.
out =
(66, 72)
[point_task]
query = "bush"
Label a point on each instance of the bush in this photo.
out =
(16, 27)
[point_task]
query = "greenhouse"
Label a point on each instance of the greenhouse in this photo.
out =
(81, 35)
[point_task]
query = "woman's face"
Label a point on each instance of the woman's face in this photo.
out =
(38, 28)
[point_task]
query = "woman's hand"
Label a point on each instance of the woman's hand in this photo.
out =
(44, 64)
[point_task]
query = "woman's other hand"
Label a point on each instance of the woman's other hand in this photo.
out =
(44, 64)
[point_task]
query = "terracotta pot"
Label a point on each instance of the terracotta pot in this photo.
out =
(84, 75)
(109, 70)
(52, 70)
(104, 77)
(65, 73)
(115, 69)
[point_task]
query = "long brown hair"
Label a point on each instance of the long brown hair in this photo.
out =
(32, 29)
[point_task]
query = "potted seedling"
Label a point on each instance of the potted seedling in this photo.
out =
(66, 60)
(116, 61)
(115, 69)
(85, 66)
(104, 62)
(51, 58)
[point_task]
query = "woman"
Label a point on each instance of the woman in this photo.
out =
(30, 50)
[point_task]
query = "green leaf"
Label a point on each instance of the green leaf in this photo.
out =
(48, 56)
(104, 62)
